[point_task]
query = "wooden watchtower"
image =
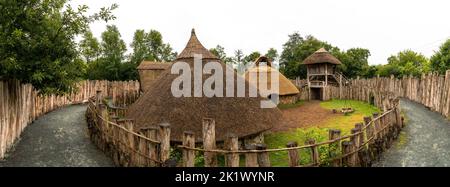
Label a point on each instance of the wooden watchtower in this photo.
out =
(321, 74)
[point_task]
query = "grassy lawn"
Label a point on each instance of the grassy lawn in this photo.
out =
(320, 133)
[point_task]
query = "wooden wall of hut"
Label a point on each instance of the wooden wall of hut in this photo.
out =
(21, 104)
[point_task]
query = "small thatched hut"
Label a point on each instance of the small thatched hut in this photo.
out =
(149, 71)
(288, 92)
(321, 74)
(242, 116)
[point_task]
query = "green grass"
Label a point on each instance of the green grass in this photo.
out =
(320, 132)
(347, 122)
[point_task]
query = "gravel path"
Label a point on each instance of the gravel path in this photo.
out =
(58, 139)
(424, 142)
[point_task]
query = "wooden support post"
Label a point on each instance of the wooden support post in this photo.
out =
(376, 125)
(334, 148)
(361, 137)
(129, 125)
(347, 148)
(355, 142)
(188, 155)
(369, 127)
(152, 133)
(164, 139)
(263, 157)
(251, 158)
(209, 142)
(98, 97)
(315, 157)
(232, 144)
(294, 159)
(340, 86)
(398, 116)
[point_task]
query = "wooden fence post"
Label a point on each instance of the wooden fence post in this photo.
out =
(209, 142)
(376, 126)
(152, 133)
(355, 146)
(294, 159)
(164, 139)
(129, 125)
(188, 155)
(263, 157)
(315, 157)
(347, 149)
(98, 97)
(232, 144)
(334, 147)
(251, 158)
(398, 116)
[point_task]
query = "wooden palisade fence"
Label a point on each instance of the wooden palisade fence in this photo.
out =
(432, 90)
(151, 147)
(21, 104)
(365, 144)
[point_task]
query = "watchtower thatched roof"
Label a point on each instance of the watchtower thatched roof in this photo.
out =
(285, 86)
(321, 56)
(242, 116)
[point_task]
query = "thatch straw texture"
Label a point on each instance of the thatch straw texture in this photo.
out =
(149, 72)
(285, 85)
(241, 116)
(321, 56)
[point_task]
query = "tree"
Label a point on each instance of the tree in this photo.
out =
(440, 61)
(354, 62)
(89, 47)
(37, 42)
(272, 54)
(406, 63)
(219, 51)
(113, 50)
(297, 49)
(140, 49)
(150, 46)
(251, 57)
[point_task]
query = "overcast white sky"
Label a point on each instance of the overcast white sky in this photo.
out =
(384, 27)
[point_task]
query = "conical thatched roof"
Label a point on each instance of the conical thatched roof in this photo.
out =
(321, 56)
(285, 86)
(241, 116)
(195, 47)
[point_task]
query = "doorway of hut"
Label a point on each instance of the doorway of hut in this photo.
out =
(316, 94)
(371, 99)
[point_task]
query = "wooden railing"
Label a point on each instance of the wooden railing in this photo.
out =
(119, 139)
(151, 147)
(365, 144)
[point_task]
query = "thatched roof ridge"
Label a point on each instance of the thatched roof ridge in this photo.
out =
(195, 47)
(321, 56)
(151, 65)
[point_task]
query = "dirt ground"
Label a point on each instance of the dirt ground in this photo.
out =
(306, 115)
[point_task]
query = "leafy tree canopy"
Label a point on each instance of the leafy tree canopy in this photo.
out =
(440, 61)
(37, 42)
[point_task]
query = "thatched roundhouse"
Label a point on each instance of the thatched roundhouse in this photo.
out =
(288, 92)
(241, 116)
(149, 71)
